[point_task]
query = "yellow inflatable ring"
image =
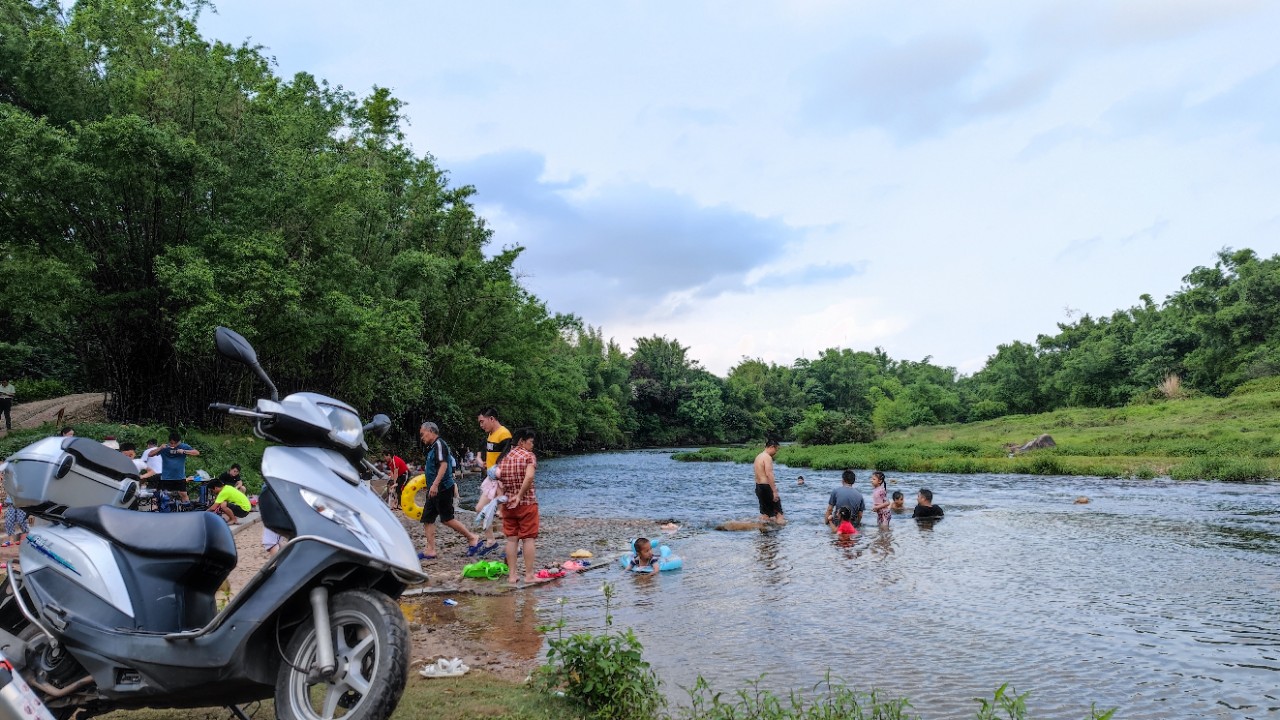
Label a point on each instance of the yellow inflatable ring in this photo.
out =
(409, 497)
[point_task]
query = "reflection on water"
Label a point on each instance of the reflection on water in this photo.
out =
(1158, 598)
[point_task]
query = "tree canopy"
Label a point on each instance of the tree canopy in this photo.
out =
(155, 184)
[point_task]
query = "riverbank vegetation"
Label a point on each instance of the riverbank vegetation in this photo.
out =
(1232, 438)
(155, 184)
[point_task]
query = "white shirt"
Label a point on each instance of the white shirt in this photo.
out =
(154, 462)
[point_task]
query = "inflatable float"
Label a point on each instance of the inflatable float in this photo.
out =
(409, 497)
(666, 561)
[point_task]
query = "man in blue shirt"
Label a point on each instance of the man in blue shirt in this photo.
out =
(173, 470)
(846, 496)
(440, 492)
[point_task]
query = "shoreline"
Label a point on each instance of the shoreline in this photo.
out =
(493, 627)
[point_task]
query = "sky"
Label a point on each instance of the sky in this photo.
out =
(772, 179)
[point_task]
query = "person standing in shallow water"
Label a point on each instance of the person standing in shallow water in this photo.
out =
(767, 485)
(880, 498)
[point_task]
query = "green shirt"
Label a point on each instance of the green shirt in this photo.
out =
(7, 391)
(234, 496)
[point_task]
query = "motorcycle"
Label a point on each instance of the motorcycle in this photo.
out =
(108, 608)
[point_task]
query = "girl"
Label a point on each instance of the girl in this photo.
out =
(845, 520)
(880, 498)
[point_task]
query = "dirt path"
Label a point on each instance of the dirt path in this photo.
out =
(85, 407)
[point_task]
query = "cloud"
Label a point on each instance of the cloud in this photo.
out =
(629, 247)
(918, 88)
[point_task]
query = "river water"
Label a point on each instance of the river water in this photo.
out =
(1158, 598)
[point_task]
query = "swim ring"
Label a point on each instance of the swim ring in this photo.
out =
(666, 561)
(409, 497)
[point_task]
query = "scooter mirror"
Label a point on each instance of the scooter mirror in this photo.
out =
(379, 425)
(233, 346)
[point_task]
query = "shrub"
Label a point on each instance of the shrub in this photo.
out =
(827, 427)
(606, 673)
(33, 390)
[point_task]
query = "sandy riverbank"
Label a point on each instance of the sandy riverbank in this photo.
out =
(493, 627)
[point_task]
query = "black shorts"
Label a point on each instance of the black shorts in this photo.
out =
(237, 510)
(439, 507)
(768, 506)
(171, 485)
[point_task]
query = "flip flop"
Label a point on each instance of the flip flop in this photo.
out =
(424, 556)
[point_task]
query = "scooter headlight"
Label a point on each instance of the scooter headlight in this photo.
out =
(343, 515)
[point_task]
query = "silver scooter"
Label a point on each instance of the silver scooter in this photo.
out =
(110, 608)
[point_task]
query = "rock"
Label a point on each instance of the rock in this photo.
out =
(1044, 441)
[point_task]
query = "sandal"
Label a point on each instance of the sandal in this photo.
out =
(473, 549)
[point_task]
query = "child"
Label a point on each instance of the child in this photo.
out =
(898, 507)
(845, 526)
(489, 490)
(644, 556)
(229, 502)
(880, 498)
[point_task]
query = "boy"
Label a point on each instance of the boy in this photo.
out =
(228, 502)
(898, 505)
(644, 555)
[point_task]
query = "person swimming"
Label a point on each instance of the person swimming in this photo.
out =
(842, 523)
(898, 504)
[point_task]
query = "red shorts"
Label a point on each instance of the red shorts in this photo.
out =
(521, 522)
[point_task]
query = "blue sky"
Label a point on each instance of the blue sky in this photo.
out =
(768, 180)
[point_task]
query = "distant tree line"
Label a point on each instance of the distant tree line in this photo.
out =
(155, 184)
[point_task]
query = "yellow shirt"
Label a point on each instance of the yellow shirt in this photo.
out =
(229, 494)
(498, 441)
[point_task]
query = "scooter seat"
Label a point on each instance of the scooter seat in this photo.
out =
(167, 535)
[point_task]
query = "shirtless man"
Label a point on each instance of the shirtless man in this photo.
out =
(767, 486)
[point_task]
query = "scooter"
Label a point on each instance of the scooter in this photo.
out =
(108, 608)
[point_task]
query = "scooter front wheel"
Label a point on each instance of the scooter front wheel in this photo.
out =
(371, 645)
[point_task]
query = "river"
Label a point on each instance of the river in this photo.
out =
(1158, 598)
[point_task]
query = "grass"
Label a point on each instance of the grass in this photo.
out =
(1236, 438)
(474, 695)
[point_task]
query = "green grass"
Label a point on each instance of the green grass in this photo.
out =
(1236, 438)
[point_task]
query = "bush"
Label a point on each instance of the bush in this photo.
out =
(606, 673)
(827, 427)
(33, 390)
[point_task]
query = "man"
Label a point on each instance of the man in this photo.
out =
(154, 463)
(497, 441)
(767, 485)
(399, 472)
(145, 473)
(173, 465)
(520, 515)
(847, 497)
(7, 393)
(232, 477)
(229, 502)
(440, 493)
(925, 509)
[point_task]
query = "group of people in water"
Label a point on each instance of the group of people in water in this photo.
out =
(845, 505)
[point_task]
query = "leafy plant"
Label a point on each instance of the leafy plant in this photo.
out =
(606, 673)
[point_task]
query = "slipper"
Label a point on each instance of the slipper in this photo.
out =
(546, 574)
(444, 668)
(473, 549)
(490, 548)
(424, 556)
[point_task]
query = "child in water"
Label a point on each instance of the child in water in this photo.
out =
(845, 520)
(880, 498)
(898, 505)
(644, 555)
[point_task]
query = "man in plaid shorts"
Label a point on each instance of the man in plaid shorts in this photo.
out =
(520, 516)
